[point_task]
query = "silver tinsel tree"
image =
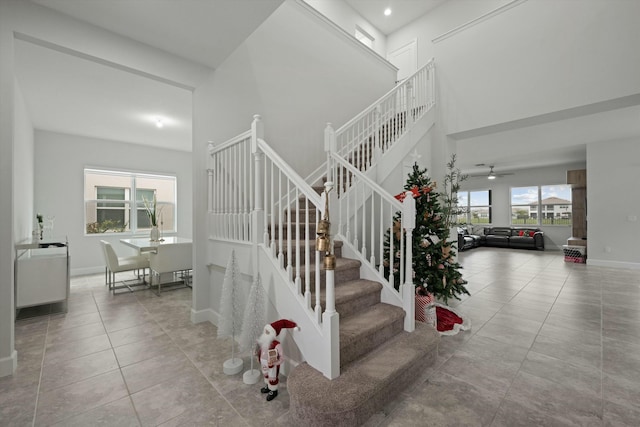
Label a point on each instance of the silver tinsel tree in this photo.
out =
(230, 320)
(252, 326)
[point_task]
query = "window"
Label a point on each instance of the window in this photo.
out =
(475, 207)
(110, 197)
(364, 37)
(541, 205)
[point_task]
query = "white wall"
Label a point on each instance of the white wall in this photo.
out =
(537, 57)
(60, 160)
(347, 18)
(437, 22)
(24, 216)
(612, 197)
(299, 74)
(8, 355)
(554, 236)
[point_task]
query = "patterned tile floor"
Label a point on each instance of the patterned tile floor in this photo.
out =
(551, 344)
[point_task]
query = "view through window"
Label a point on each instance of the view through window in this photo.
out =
(115, 201)
(541, 205)
(475, 207)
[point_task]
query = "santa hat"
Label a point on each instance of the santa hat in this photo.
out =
(278, 325)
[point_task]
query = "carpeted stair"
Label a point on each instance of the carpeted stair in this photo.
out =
(378, 359)
(365, 386)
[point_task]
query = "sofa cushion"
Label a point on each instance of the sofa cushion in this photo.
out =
(498, 231)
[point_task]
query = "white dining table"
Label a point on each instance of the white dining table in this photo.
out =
(144, 244)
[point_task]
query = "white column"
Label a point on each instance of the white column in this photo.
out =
(408, 288)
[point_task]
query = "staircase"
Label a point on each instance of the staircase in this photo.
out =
(378, 359)
(358, 337)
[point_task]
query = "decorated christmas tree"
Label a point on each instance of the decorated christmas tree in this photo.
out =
(434, 265)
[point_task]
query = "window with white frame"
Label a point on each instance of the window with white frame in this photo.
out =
(116, 201)
(541, 205)
(475, 207)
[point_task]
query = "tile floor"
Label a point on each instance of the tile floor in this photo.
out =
(551, 344)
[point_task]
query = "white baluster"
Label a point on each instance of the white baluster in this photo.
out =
(307, 257)
(298, 226)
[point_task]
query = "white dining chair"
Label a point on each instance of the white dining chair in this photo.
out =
(115, 264)
(173, 258)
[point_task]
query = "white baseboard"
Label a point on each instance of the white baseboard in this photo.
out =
(613, 264)
(9, 364)
(206, 315)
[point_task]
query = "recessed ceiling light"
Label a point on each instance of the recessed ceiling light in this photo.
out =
(387, 11)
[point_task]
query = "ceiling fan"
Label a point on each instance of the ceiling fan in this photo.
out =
(492, 174)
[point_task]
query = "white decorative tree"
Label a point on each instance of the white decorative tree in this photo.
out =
(252, 326)
(230, 321)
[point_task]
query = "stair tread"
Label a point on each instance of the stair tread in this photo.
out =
(320, 401)
(368, 321)
(354, 289)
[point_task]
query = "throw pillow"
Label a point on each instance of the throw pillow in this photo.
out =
(531, 233)
(520, 233)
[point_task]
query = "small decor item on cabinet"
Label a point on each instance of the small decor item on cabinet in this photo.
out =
(48, 226)
(39, 217)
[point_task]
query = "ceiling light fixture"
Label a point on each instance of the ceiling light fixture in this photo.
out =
(159, 123)
(491, 175)
(387, 11)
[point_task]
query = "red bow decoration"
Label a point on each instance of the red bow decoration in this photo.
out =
(414, 190)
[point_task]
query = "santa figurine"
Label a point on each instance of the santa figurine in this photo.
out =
(270, 355)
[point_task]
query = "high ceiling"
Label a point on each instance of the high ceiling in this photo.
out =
(73, 94)
(402, 12)
(70, 93)
(201, 31)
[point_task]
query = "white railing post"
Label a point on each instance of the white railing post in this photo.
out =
(257, 222)
(330, 317)
(331, 330)
(408, 289)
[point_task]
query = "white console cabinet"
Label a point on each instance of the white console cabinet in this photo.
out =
(42, 273)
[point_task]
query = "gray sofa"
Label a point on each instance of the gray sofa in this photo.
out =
(513, 237)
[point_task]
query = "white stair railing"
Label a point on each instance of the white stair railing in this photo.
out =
(379, 127)
(255, 197)
(367, 216)
(230, 185)
(363, 139)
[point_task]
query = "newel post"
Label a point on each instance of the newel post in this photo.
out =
(408, 288)
(257, 216)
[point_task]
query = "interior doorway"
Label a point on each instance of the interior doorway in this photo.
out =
(405, 59)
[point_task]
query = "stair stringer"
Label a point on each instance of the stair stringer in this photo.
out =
(316, 343)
